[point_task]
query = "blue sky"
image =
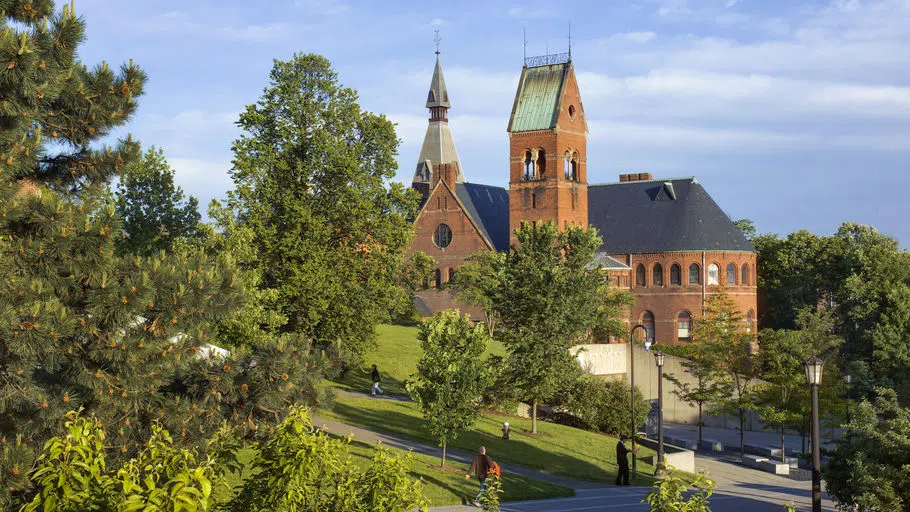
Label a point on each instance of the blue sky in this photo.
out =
(793, 114)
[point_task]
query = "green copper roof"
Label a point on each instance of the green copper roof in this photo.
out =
(537, 101)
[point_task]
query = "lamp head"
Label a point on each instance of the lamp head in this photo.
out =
(814, 370)
(659, 357)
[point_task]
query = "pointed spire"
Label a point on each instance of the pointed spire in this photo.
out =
(438, 96)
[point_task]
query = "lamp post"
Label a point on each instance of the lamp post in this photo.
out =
(848, 379)
(814, 378)
(632, 383)
(659, 359)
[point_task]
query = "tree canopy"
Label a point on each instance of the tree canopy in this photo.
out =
(330, 230)
(153, 210)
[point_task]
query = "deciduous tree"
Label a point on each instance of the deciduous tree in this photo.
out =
(451, 376)
(313, 175)
(154, 211)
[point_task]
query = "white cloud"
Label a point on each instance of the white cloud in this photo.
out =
(182, 23)
(529, 13)
(638, 37)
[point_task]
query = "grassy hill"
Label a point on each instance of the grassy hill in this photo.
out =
(557, 449)
(396, 356)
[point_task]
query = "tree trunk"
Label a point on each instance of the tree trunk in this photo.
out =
(701, 423)
(783, 450)
(443, 453)
(534, 418)
(742, 434)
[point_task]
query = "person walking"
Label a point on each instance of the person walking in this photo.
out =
(375, 376)
(622, 460)
(480, 466)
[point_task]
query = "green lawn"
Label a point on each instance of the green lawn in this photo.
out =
(557, 449)
(395, 355)
(449, 487)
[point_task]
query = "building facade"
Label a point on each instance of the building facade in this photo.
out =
(665, 240)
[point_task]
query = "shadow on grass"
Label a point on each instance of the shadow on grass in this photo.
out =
(559, 461)
(360, 380)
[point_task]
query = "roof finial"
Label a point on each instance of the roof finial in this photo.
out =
(524, 34)
(436, 40)
(570, 39)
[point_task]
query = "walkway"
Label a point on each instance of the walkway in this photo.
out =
(738, 489)
(730, 438)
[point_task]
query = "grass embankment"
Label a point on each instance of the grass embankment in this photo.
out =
(449, 486)
(556, 449)
(395, 355)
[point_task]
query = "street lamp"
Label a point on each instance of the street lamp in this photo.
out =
(814, 378)
(648, 341)
(659, 359)
(848, 379)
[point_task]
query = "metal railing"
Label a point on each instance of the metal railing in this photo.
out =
(546, 60)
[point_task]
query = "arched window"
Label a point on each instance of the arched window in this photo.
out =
(675, 275)
(683, 326)
(750, 321)
(438, 278)
(640, 275)
(443, 236)
(541, 164)
(713, 274)
(529, 165)
(451, 274)
(745, 277)
(657, 275)
(694, 274)
(567, 170)
(731, 274)
(647, 320)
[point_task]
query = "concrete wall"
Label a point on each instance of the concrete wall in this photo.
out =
(612, 360)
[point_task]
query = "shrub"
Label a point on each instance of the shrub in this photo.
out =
(604, 405)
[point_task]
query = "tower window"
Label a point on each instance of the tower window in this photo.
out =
(694, 274)
(443, 236)
(675, 275)
(657, 276)
(541, 164)
(683, 326)
(745, 277)
(529, 165)
(533, 200)
(438, 278)
(750, 321)
(731, 274)
(451, 274)
(571, 111)
(713, 274)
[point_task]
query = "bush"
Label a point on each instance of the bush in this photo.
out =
(604, 405)
(667, 495)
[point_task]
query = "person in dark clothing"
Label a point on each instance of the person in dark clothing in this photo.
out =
(480, 466)
(375, 377)
(622, 459)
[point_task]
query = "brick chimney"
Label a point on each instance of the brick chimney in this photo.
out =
(635, 176)
(446, 172)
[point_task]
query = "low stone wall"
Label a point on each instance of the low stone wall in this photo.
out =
(674, 456)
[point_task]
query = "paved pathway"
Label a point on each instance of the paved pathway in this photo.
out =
(730, 438)
(739, 489)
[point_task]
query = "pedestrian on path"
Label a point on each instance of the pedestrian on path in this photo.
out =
(480, 466)
(622, 459)
(375, 376)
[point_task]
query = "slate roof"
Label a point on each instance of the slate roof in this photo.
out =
(536, 104)
(488, 206)
(661, 216)
(604, 261)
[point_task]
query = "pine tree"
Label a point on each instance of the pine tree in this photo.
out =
(80, 327)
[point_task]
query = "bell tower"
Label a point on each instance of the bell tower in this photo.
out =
(547, 146)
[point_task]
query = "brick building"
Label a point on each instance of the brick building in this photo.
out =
(665, 240)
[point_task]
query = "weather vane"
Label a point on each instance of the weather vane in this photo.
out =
(437, 39)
